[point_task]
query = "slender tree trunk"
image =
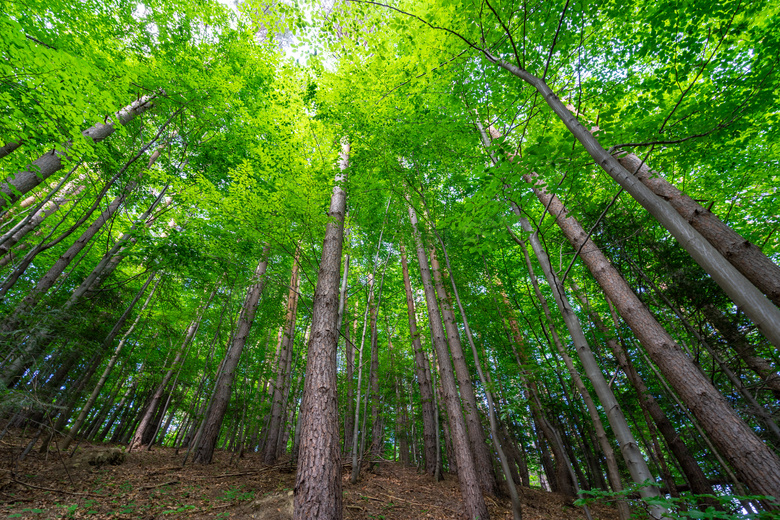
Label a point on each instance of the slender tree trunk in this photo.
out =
(745, 256)
(753, 461)
(318, 482)
(629, 448)
(224, 385)
(51, 162)
(423, 376)
(111, 362)
(146, 420)
(690, 468)
(349, 407)
(373, 384)
(281, 388)
(467, 473)
(482, 458)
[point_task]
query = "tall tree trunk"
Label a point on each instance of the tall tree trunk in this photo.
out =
(754, 304)
(482, 458)
(467, 473)
(377, 436)
(349, 412)
(745, 256)
(629, 448)
(51, 162)
(318, 482)
(423, 375)
(224, 385)
(281, 388)
(753, 461)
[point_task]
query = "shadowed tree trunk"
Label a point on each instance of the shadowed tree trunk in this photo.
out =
(222, 389)
(318, 481)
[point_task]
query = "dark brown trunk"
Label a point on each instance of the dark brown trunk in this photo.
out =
(281, 388)
(224, 386)
(467, 473)
(318, 482)
(482, 458)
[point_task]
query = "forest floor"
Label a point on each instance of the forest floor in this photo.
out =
(152, 485)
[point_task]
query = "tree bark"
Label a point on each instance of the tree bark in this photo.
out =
(745, 256)
(318, 482)
(753, 461)
(283, 382)
(224, 385)
(51, 162)
(482, 458)
(467, 473)
(423, 375)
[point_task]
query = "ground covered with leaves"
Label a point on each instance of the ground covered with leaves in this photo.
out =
(101, 482)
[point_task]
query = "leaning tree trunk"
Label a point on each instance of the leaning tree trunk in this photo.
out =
(423, 375)
(222, 389)
(282, 377)
(111, 362)
(690, 468)
(146, 420)
(318, 482)
(756, 465)
(51, 162)
(467, 472)
(629, 448)
(745, 256)
(482, 458)
(753, 303)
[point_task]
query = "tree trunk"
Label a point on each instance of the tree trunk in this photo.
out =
(745, 256)
(145, 423)
(224, 385)
(690, 468)
(467, 473)
(281, 388)
(423, 375)
(377, 436)
(349, 411)
(318, 482)
(754, 304)
(482, 458)
(51, 162)
(755, 464)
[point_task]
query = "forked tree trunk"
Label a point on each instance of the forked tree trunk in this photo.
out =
(467, 473)
(318, 482)
(755, 464)
(224, 385)
(423, 375)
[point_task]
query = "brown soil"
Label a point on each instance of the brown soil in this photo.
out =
(153, 485)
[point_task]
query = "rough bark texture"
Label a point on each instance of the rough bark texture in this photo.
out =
(482, 458)
(423, 375)
(467, 473)
(281, 387)
(318, 482)
(53, 161)
(224, 386)
(742, 254)
(753, 461)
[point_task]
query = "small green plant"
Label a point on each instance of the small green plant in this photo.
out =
(730, 507)
(237, 494)
(178, 510)
(26, 511)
